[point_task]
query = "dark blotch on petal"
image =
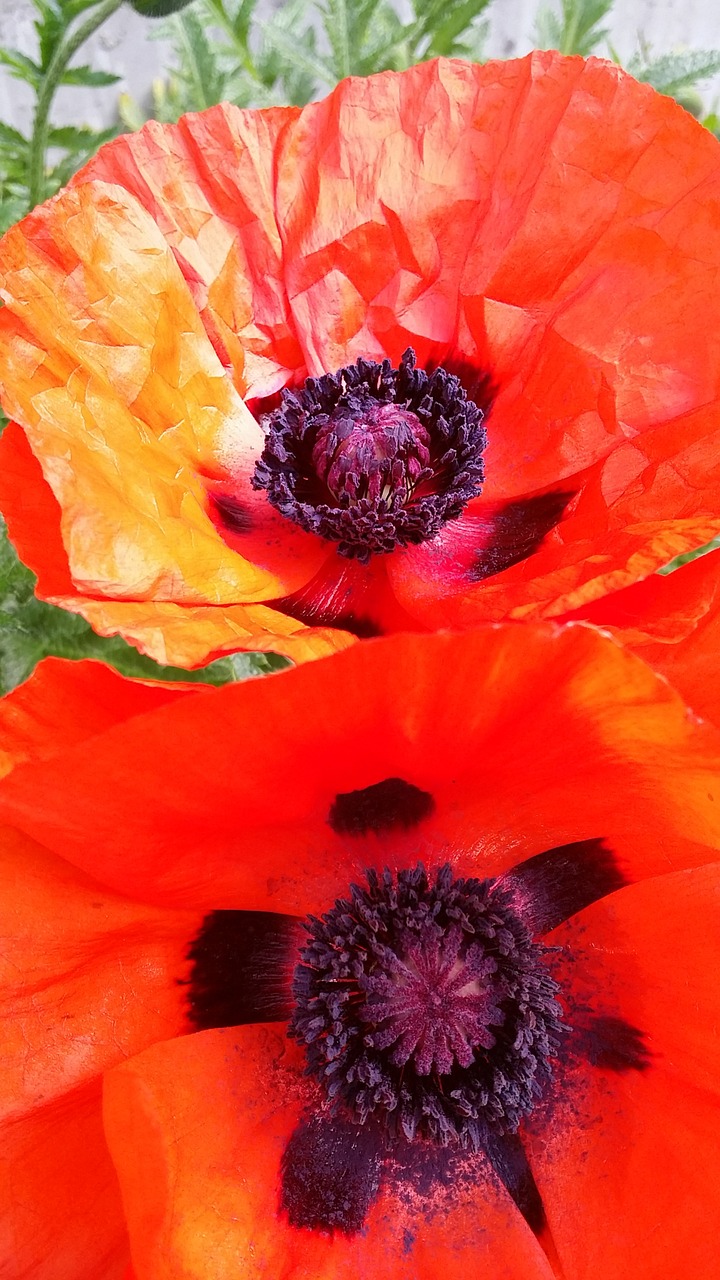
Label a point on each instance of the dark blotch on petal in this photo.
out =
(232, 514)
(330, 1175)
(507, 1157)
(614, 1045)
(303, 609)
(516, 530)
(552, 886)
(384, 806)
(242, 967)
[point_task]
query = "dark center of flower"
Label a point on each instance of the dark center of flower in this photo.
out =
(427, 1005)
(373, 457)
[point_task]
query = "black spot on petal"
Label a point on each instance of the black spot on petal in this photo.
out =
(232, 513)
(302, 607)
(242, 966)
(517, 529)
(613, 1044)
(552, 886)
(507, 1157)
(330, 1175)
(384, 806)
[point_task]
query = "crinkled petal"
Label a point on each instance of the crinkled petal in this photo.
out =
(546, 224)
(170, 632)
(127, 406)
(208, 181)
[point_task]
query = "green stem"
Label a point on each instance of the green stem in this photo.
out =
(66, 50)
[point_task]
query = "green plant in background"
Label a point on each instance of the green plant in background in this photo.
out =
(230, 50)
(26, 178)
(226, 50)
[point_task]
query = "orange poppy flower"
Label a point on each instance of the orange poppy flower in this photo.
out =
(497, 1053)
(214, 453)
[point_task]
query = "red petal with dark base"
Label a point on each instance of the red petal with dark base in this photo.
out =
(197, 1128)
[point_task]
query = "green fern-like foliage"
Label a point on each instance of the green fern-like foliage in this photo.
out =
(575, 28)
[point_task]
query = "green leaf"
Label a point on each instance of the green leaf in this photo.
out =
(88, 77)
(443, 25)
(298, 54)
(21, 67)
(245, 665)
(12, 137)
(79, 138)
(342, 20)
(673, 72)
(50, 28)
(157, 8)
(12, 209)
(575, 29)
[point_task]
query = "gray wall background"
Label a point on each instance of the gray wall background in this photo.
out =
(125, 45)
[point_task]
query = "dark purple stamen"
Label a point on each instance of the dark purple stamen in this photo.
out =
(373, 457)
(427, 1005)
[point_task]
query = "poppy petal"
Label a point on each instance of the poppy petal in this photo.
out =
(354, 597)
(553, 885)
(32, 513)
(200, 1178)
(195, 806)
(672, 621)
(182, 636)
(546, 223)
(141, 380)
(641, 1140)
(628, 952)
(208, 183)
(171, 633)
(65, 703)
(60, 1209)
(242, 965)
(89, 979)
(639, 1145)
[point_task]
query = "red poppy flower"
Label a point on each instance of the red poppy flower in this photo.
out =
(673, 622)
(497, 1053)
(215, 454)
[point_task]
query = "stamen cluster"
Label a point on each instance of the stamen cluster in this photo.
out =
(373, 457)
(428, 1005)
